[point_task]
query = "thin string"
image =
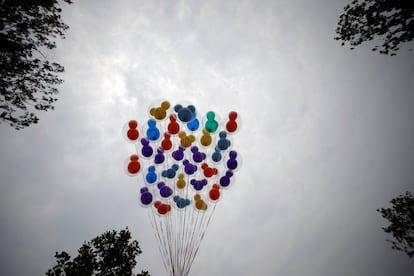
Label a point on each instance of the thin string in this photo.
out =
(202, 235)
(160, 240)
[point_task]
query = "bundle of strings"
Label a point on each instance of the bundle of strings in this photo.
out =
(179, 235)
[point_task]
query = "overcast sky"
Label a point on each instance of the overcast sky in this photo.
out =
(327, 137)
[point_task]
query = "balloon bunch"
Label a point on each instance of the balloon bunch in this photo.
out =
(186, 161)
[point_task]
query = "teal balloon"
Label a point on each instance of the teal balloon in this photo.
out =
(211, 124)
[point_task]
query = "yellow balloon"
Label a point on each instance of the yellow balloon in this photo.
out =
(181, 182)
(199, 203)
(205, 139)
(186, 140)
(160, 112)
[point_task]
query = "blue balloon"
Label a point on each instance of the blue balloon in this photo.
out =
(181, 202)
(151, 176)
(193, 125)
(153, 132)
(170, 173)
(185, 114)
(216, 155)
(223, 143)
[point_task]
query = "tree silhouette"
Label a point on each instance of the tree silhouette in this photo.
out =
(401, 217)
(111, 253)
(389, 20)
(27, 77)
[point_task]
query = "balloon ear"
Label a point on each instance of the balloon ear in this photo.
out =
(165, 105)
(151, 123)
(177, 108)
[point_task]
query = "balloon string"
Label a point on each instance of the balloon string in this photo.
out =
(202, 234)
(157, 233)
(197, 229)
(168, 236)
(194, 233)
(189, 230)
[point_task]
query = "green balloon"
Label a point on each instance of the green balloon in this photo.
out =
(211, 125)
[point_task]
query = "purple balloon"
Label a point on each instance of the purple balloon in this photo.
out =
(165, 191)
(146, 198)
(225, 179)
(159, 157)
(178, 154)
(197, 156)
(232, 164)
(189, 168)
(198, 184)
(146, 148)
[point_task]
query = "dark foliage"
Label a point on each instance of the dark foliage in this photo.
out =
(392, 21)
(401, 217)
(111, 253)
(28, 79)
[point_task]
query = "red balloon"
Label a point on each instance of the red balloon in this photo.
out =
(134, 167)
(231, 125)
(173, 126)
(214, 194)
(208, 171)
(132, 134)
(162, 208)
(166, 144)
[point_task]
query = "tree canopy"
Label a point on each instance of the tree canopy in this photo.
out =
(28, 28)
(111, 253)
(401, 217)
(391, 21)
